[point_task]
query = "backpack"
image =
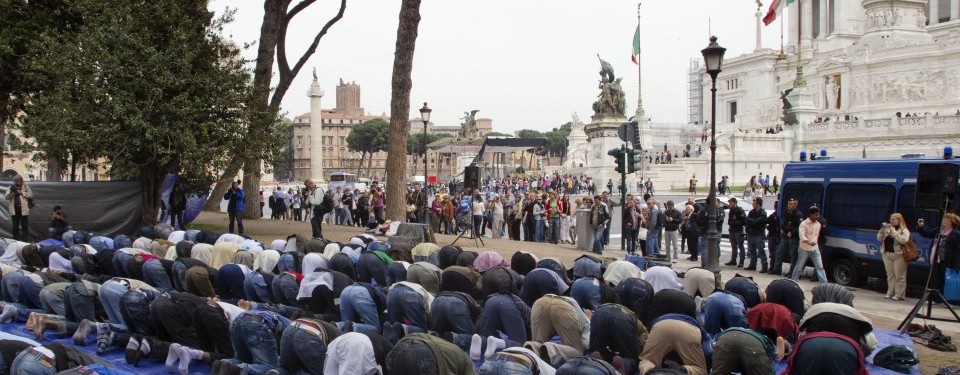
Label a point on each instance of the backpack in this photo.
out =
(327, 204)
(661, 219)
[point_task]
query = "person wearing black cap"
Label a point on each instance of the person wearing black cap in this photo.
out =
(790, 239)
(756, 224)
(736, 221)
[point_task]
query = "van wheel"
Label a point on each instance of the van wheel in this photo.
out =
(845, 273)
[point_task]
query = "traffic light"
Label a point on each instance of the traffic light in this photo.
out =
(617, 154)
(635, 160)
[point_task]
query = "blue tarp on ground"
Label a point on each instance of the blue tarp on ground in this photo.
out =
(114, 355)
(885, 338)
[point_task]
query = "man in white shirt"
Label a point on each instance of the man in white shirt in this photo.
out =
(809, 246)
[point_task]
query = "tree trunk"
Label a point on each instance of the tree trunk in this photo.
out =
(73, 167)
(251, 188)
(216, 196)
(360, 165)
(370, 165)
(151, 180)
(400, 108)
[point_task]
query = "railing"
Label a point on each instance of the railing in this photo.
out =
(860, 125)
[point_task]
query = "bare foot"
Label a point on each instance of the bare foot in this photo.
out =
(244, 304)
(32, 320)
(781, 348)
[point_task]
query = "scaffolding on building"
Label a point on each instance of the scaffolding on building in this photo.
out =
(694, 93)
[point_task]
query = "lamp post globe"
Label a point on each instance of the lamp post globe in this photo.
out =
(713, 63)
(425, 117)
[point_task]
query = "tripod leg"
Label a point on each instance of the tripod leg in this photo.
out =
(913, 313)
(948, 306)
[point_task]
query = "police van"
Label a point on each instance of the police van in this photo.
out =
(856, 197)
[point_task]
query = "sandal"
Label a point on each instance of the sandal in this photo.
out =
(942, 343)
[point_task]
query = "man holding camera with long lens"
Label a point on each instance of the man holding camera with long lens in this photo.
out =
(234, 198)
(20, 200)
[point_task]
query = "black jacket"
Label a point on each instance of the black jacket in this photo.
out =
(737, 219)
(773, 226)
(791, 223)
(671, 226)
(756, 222)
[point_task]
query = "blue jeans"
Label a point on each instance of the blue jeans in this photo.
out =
(450, 314)
(500, 366)
(538, 231)
(285, 289)
(155, 275)
(736, 247)
(554, 231)
(254, 345)
(817, 265)
(10, 286)
(238, 216)
(786, 252)
(755, 250)
(256, 288)
(111, 292)
(78, 303)
(52, 302)
(505, 316)
(302, 350)
(722, 311)
(598, 239)
(586, 291)
(653, 242)
(448, 227)
(135, 311)
(120, 261)
(28, 362)
(357, 305)
(403, 302)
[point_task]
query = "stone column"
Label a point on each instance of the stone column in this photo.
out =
(934, 14)
(315, 93)
(954, 10)
(759, 16)
(824, 10)
(807, 30)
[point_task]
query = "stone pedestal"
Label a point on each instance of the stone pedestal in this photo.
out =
(602, 133)
(801, 98)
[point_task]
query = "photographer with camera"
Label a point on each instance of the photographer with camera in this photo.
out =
(234, 198)
(58, 223)
(20, 200)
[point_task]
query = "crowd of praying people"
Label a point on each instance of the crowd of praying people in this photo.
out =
(366, 307)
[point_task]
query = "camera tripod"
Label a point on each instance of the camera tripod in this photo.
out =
(930, 294)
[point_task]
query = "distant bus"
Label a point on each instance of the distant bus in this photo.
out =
(344, 181)
(856, 196)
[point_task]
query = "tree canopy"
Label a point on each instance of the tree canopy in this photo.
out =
(415, 141)
(368, 138)
(150, 87)
(556, 138)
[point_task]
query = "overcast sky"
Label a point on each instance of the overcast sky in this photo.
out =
(522, 63)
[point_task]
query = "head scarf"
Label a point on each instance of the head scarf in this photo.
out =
(244, 258)
(267, 261)
(466, 258)
(661, 278)
(621, 270)
(788, 293)
(587, 266)
(278, 245)
(746, 288)
(523, 262)
(426, 274)
(448, 256)
(202, 252)
(197, 281)
(184, 249)
(831, 292)
(635, 294)
(488, 260)
(315, 246)
(223, 253)
(311, 278)
(176, 236)
(555, 265)
(461, 279)
(10, 257)
(58, 262)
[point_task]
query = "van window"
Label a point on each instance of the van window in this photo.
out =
(859, 206)
(807, 194)
(910, 214)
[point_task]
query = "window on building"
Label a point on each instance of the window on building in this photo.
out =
(343, 140)
(807, 194)
(733, 111)
(96, 177)
(859, 206)
(299, 141)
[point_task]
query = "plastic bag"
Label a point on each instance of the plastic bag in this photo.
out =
(951, 285)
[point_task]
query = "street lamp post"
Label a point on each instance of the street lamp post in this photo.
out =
(425, 117)
(713, 58)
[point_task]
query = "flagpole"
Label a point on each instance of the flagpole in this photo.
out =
(782, 56)
(799, 81)
(639, 72)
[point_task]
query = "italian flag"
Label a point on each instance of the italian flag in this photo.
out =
(636, 47)
(775, 8)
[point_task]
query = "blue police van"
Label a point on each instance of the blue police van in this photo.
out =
(856, 197)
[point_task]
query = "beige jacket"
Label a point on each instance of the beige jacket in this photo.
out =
(900, 238)
(25, 193)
